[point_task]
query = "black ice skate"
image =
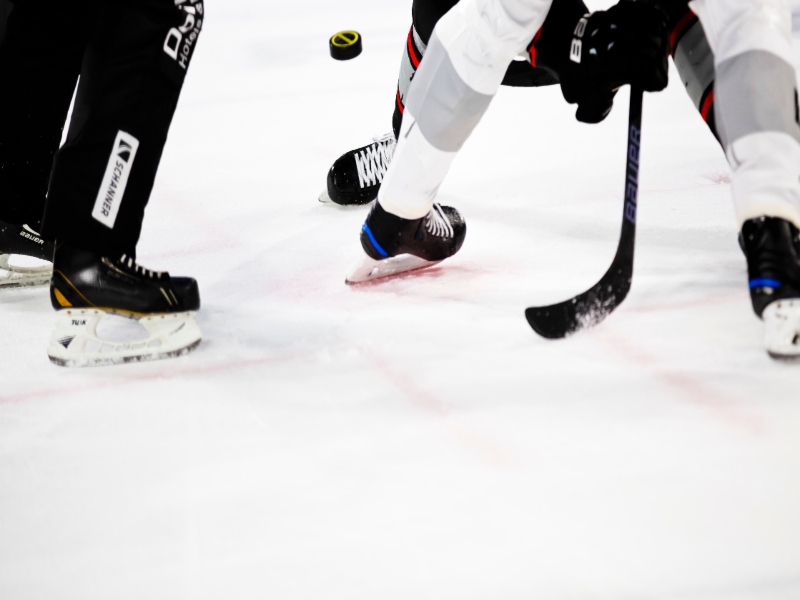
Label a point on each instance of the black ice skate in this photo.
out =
(91, 292)
(395, 245)
(22, 241)
(356, 176)
(772, 247)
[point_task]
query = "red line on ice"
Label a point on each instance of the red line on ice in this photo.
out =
(162, 374)
(690, 390)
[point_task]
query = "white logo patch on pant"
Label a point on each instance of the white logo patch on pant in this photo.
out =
(115, 180)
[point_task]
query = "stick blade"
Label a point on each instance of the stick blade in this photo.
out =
(563, 319)
(552, 322)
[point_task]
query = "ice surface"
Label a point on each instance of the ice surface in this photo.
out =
(413, 439)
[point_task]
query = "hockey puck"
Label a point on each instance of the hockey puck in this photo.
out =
(345, 45)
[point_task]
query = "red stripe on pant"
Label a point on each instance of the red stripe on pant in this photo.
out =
(679, 28)
(411, 54)
(705, 106)
(532, 47)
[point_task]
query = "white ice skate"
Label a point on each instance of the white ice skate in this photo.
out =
(21, 271)
(782, 329)
(25, 256)
(356, 176)
(90, 337)
(405, 242)
(393, 245)
(772, 247)
(112, 311)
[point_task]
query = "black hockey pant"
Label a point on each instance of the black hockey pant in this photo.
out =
(132, 58)
(690, 51)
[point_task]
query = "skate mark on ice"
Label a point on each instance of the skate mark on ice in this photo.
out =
(715, 178)
(432, 273)
(718, 177)
(738, 296)
(414, 273)
(690, 390)
(478, 443)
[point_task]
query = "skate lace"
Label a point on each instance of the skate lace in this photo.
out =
(373, 161)
(128, 263)
(437, 223)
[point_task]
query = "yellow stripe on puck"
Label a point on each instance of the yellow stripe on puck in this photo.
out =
(345, 39)
(345, 45)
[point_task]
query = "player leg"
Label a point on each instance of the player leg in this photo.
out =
(132, 75)
(756, 114)
(356, 176)
(693, 59)
(466, 59)
(41, 48)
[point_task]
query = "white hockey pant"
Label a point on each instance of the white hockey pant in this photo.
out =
(465, 61)
(755, 103)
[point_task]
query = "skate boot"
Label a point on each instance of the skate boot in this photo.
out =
(17, 241)
(772, 247)
(356, 176)
(115, 311)
(395, 245)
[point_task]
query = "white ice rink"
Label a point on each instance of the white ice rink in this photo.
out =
(413, 439)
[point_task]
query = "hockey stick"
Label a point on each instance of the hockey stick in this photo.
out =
(590, 308)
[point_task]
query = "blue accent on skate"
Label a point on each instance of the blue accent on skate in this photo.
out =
(372, 239)
(768, 283)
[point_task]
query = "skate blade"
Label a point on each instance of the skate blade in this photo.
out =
(370, 269)
(324, 198)
(782, 329)
(76, 341)
(22, 276)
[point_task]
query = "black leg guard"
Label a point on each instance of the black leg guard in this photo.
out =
(412, 55)
(693, 58)
(41, 48)
(131, 78)
(426, 13)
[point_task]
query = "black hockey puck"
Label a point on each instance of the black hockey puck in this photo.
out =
(345, 45)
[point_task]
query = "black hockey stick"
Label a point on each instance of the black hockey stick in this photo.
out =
(565, 318)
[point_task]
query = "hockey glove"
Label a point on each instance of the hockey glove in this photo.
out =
(626, 44)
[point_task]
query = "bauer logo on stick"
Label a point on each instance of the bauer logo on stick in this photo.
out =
(345, 45)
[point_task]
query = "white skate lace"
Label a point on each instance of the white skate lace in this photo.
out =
(373, 161)
(436, 222)
(138, 269)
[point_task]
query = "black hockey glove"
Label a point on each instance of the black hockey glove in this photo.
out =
(626, 44)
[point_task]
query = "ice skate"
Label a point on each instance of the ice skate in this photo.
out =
(25, 256)
(115, 311)
(356, 176)
(772, 247)
(393, 245)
